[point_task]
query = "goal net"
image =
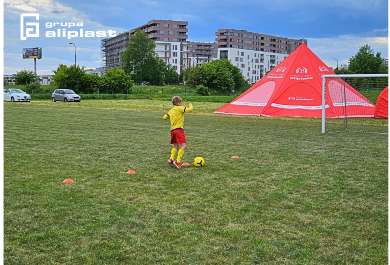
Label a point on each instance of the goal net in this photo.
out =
(348, 103)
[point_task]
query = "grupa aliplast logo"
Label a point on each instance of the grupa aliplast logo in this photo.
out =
(67, 30)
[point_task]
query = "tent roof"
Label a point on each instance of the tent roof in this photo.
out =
(293, 89)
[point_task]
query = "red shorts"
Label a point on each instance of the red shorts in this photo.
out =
(178, 136)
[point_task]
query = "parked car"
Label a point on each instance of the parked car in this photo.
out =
(13, 94)
(65, 95)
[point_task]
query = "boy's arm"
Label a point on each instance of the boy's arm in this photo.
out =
(166, 116)
(189, 108)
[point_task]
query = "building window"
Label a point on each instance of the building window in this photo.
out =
(166, 25)
(170, 32)
(174, 54)
(224, 54)
(166, 39)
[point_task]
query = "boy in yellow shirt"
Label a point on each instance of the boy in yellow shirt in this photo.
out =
(178, 138)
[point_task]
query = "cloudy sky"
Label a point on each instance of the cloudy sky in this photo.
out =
(333, 28)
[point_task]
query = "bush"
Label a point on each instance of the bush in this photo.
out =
(202, 90)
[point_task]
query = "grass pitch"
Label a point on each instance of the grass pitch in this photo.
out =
(295, 196)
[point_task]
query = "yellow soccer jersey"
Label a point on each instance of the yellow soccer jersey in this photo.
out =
(176, 115)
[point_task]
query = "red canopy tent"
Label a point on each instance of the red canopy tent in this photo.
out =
(293, 89)
(382, 105)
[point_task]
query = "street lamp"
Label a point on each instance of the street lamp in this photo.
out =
(337, 63)
(74, 52)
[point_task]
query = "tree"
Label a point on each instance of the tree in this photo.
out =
(70, 77)
(171, 77)
(219, 75)
(116, 81)
(140, 59)
(366, 62)
(25, 77)
(91, 84)
(195, 76)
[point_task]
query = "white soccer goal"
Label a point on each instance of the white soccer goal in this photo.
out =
(344, 103)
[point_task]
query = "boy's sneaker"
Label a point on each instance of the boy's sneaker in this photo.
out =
(177, 165)
(170, 161)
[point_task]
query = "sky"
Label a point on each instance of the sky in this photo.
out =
(333, 28)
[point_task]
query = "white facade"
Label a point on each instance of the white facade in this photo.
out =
(252, 64)
(44, 80)
(99, 71)
(198, 61)
(173, 53)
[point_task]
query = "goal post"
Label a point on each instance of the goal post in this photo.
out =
(324, 96)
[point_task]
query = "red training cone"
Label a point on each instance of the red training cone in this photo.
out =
(235, 157)
(185, 164)
(130, 172)
(68, 181)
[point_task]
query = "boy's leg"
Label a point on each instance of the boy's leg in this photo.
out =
(181, 152)
(173, 153)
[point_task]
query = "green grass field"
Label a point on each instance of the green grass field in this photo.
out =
(294, 196)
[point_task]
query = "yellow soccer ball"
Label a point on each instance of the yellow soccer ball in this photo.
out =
(199, 161)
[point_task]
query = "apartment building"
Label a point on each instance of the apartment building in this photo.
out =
(43, 79)
(254, 53)
(170, 38)
(201, 52)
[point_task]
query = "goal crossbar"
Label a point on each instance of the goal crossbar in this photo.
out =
(339, 76)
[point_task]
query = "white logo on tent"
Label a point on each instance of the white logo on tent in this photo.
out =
(301, 70)
(323, 69)
(281, 69)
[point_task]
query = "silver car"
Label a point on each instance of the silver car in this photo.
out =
(65, 95)
(13, 94)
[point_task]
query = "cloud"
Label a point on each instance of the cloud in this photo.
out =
(345, 47)
(184, 17)
(151, 3)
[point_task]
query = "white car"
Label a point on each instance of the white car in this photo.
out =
(13, 94)
(65, 95)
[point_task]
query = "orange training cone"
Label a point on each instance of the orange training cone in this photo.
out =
(185, 164)
(130, 172)
(235, 157)
(68, 181)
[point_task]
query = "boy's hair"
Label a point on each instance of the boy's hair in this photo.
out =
(176, 100)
